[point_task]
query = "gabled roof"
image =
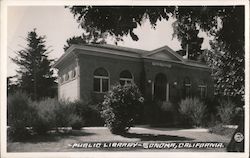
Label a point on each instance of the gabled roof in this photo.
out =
(114, 47)
(162, 54)
(165, 52)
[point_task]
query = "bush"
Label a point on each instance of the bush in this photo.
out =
(193, 110)
(121, 106)
(75, 121)
(90, 113)
(20, 115)
(46, 119)
(225, 111)
(54, 114)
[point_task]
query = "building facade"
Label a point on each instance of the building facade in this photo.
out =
(87, 72)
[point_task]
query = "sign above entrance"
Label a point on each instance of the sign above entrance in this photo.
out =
(161, 64)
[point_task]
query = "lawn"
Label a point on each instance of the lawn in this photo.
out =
(62, 142)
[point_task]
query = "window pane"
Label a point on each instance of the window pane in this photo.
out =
(97, 85)
(187, 91)
(128, 82)
(105, 85)
(122, 82)
(73, 73)
(126, 74)
(203, 92)
(100, 72)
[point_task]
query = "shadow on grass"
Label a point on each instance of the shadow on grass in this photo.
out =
(54, 136)
(155, 137)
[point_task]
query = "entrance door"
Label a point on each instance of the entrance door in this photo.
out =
(160, 87)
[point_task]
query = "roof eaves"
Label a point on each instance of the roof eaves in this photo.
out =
(169, 50)
(120, 48)
(178, 62)
(67, 52)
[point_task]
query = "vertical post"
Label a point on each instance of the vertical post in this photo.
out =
(78, 77)
(153, 89)
(58, 89)
(167, 94)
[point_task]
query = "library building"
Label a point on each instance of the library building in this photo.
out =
(87, 72)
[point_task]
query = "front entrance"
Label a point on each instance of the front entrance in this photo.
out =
(161, 88)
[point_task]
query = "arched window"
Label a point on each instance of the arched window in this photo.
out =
(125, 77)
(202, 89)
(66, 77)
(60, 79)
(187, 87)
(101, 80)
(73, 73)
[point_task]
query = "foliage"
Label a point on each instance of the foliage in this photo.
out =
(224, 23)
(46, 118)
(166, 106)
(20, 115)
(12, 86)
(118, 21)
(90, 113)
(226, 111)
(54, 114)
(186, 31)
(121, 106)
(193, 109)
(35, 75)
(93, 37)
(75, 121)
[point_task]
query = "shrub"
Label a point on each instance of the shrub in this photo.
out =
(46, 119)
(121, 106)
(193, 110)
(20, 115)
(225, 111)
(75, 121)
(166, 106)
(90, 113)
(54, 114)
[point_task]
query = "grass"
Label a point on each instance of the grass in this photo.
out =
(220, 130)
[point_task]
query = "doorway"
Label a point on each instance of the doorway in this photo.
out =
(161, 88)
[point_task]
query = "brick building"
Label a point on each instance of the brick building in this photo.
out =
(86, 72)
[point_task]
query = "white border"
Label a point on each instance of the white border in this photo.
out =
(3, 75)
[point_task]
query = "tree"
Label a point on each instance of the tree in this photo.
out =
(35, 74)
(225, 23)
(186, 31)
(93, 37)
(12, 86)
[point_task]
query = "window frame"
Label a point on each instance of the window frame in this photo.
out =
(201, 86)
(66, 77)
(101, 78)
(187, 87)
(73, 73)
(126, 80)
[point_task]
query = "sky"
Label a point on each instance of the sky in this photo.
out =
(58, 24)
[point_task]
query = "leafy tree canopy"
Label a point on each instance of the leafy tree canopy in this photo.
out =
(93, 37)
(225, 23)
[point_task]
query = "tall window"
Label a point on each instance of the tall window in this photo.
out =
(73, 73)
(67, 77)
(187, 87)
(125, 77)
(202, 89)
(101, 80)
